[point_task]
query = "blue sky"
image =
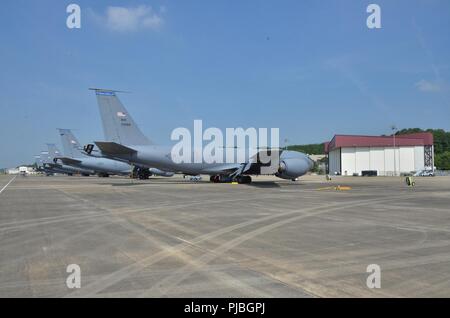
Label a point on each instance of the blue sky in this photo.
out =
(311, 68)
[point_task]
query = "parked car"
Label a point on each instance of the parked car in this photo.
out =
(424, 173)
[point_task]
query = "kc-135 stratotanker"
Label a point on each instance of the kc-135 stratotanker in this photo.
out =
(128, 144)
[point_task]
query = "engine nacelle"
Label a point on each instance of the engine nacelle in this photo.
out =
(161, 173)
(291, 168)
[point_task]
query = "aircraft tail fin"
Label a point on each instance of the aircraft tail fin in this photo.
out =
(38, 160)
(71, 146)
(44, 157)
(53, 152)
(118, 125)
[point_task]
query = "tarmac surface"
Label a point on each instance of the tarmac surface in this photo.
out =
(170, 237)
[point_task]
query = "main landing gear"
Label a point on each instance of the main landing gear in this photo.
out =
(226, 179)
(140, 173)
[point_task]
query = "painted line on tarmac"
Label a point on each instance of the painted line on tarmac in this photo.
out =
(8, 184)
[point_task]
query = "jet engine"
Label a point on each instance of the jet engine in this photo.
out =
(293, 165)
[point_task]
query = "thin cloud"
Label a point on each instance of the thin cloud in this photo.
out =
(132, 19)
(429, 87)
(428, 52)
(343, 65)
(439, 84)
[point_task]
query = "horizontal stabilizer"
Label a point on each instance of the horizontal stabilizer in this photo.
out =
(113, 148)
(69, 161)
(52, 165)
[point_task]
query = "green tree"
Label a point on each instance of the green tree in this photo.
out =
(442, 160)
(311, 149)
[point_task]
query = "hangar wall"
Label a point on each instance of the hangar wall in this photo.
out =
(334, 161)
(351, 160)
(352, 154)
(419, 158)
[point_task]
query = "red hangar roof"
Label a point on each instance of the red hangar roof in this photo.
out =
(416, 139)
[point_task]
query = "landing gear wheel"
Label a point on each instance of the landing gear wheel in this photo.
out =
(144, 175)
(244, 179)
(217, 179)
(140, 173)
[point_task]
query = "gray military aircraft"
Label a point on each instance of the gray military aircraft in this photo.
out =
(48, 161)
(129, 144)
(39, 163)
(141, 170)
(74, 157)
(102, 166)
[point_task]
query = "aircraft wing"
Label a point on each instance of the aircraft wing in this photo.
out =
(275, 152)
(265, 161)
(112, 148)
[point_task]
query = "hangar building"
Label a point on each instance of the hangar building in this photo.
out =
(385, 155)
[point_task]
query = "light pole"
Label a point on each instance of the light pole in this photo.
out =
(394, 129)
